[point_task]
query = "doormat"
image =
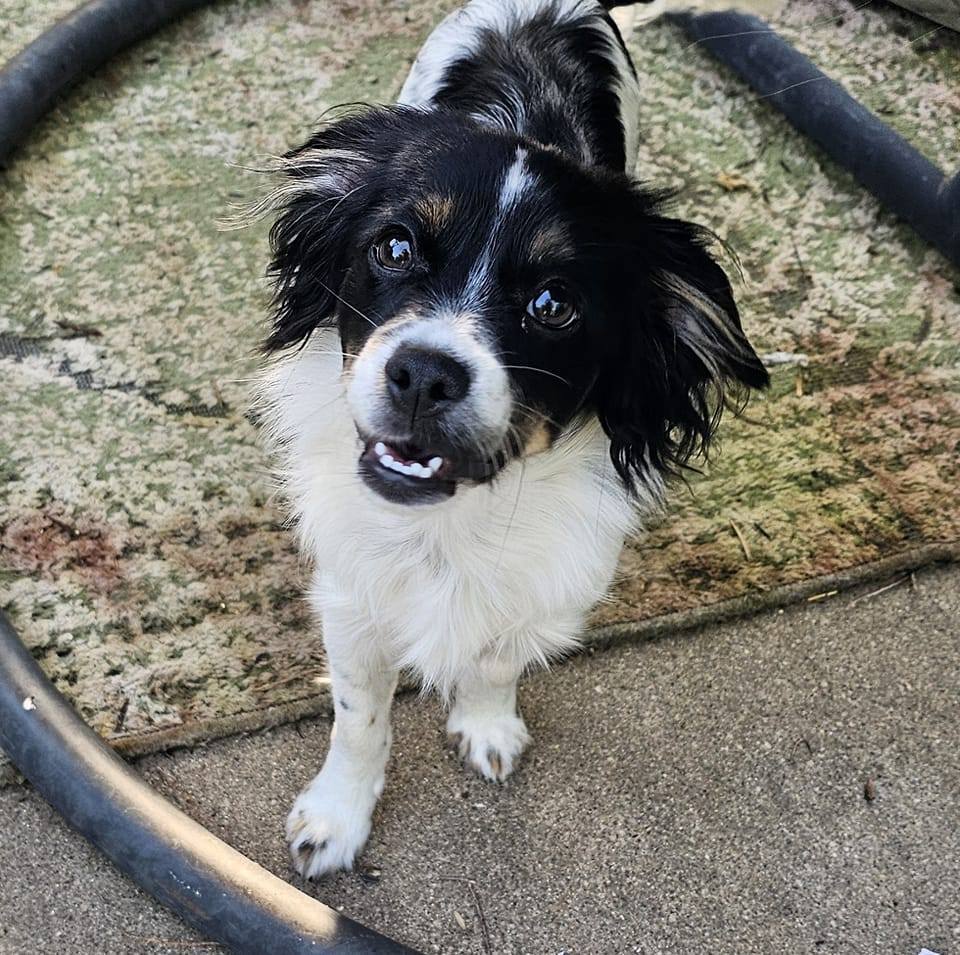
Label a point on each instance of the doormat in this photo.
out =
(142, 557)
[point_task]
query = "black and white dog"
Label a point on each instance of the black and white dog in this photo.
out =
(496, 349)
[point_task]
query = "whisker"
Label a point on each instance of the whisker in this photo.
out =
(543, 371)
(793, 86)
(816, 23)
(535, 413)
(343, 301)
(513, 512)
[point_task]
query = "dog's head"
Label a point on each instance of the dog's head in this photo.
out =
(491, 293)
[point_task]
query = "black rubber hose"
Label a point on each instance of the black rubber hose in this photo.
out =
(220, 892)
(904, 180)
(70, 50)
(223, 894)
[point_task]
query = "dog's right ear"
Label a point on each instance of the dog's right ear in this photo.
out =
(327, 183)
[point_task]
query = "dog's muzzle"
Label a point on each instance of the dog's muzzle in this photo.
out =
(427, 445)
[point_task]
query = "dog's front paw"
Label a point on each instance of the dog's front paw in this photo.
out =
(489, 743)
(328, 825)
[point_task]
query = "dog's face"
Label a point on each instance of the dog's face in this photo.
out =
(491, 293)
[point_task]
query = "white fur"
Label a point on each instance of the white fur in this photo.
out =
(509, 567)
(516, 181)
(466, 593)
(486, 408)
(484, 723)
(330, 819)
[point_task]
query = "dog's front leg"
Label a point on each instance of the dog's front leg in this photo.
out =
(484, 722)
(330, 820)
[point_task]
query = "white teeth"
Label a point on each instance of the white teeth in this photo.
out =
(435, 464)
(414, 469)
(380, 449)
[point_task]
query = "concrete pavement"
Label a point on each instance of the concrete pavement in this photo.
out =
(703, 793)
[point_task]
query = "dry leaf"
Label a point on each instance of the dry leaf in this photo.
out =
(732, 181)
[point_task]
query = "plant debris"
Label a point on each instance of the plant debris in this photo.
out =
(732, 181)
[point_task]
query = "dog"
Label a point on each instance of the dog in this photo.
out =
(491, 350)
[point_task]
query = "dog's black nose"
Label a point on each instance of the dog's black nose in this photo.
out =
(423, 382)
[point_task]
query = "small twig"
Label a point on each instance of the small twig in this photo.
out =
(803, 270)
(741, 538)
(78, 329)
(122, 714)
(481, 918)
(882, 590)
(760, 528)
(774, 358)
(816, 598)
(484, 928)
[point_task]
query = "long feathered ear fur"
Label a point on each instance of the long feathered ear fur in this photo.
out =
(326, 185)
(680, 358)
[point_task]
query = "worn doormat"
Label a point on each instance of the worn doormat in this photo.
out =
(143, 559)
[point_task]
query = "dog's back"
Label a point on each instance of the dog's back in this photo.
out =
(555, 71)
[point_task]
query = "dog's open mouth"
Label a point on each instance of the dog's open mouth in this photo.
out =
(409, 460)
(407, 474)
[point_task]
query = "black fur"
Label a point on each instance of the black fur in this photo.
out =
(659, 349)
(554, 78)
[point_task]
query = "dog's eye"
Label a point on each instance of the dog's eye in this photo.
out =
(394, 251)
(553, 307)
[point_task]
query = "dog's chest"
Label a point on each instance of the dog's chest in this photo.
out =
(512, 567)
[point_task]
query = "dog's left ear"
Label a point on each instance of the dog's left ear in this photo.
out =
(680, 357)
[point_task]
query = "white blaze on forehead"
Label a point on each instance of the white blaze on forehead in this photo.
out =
(515, 182)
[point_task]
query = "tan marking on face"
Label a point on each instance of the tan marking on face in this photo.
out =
(538, 440)
(436, 211)
(553, 241)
